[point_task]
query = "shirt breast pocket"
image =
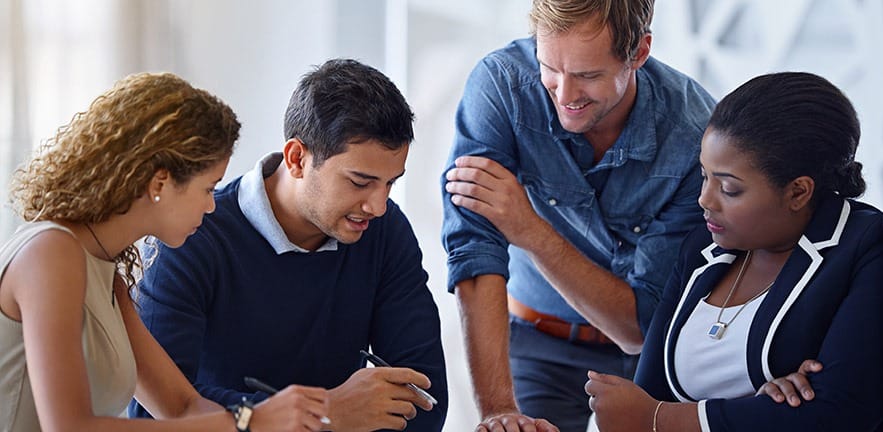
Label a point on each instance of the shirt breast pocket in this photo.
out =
(630, 228)
(627, 230)
(563, 206)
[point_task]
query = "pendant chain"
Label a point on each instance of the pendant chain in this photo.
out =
(107, 255)
(718, 328)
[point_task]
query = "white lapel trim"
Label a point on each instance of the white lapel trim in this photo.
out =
(835, 238)
(712, 260)
(811, 249)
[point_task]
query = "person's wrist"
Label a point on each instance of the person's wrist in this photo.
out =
(499, 409)
(535, 234)
(337, 409)
(242, 414)
(656, 416)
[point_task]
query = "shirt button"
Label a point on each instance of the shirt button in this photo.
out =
(553, 201)
(636, 229)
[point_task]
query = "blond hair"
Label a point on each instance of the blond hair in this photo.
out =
(629, 20)
(103, 160)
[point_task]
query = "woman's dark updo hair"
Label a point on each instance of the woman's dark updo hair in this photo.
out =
(795, 124)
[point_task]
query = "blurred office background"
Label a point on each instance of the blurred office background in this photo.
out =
(57, 55)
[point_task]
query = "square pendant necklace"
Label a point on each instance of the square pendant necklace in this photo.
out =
(718, 329)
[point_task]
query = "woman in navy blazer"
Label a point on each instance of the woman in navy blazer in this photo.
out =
(788, 267)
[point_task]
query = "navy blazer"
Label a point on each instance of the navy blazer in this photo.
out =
(826, 304)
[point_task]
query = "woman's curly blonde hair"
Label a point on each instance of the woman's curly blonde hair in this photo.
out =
(103, 160)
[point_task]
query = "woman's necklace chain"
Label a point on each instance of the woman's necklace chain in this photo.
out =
(718, 329)
(106, 255)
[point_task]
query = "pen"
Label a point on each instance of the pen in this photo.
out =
(377, 361)
(258, 385)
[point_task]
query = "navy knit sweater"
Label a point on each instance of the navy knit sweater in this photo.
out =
(225, 306)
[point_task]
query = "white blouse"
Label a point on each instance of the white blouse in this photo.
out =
(709, 368)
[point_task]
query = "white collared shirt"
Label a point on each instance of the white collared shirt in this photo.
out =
(256, 207)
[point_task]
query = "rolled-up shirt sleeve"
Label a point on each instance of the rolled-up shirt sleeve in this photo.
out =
(474, 246)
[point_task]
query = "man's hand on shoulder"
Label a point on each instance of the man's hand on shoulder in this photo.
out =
(377, 398)
(485, 187)
(514, 422)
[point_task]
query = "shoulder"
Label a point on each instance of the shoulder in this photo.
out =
(48, 243)
(394, 220)
(227, 201)
(844, 223)
(48, 264)
(519, 52)
(694, 245)
(514, 65)
(389, 235)
(866, 215)
(865, 225)
(226, 221)
(677, 96)
(229, 190)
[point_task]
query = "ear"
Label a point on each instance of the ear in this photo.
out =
(296, 156)
(799, 193)
(643, 52)
(161, 179)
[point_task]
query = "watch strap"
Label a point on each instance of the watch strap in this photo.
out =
(242, 412)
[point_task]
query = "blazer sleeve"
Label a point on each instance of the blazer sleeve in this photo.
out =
(651, 375)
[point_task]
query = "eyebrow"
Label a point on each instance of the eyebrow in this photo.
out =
(373, 177)
(585, 72)
(723, 174)
(720, 174)
(544, 64)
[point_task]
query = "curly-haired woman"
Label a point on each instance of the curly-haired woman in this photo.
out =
(142, 160)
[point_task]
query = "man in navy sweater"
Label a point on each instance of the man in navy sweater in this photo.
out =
(305, 262)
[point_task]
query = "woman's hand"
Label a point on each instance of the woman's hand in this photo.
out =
(619, 404)
(295, 408)
(792, 386)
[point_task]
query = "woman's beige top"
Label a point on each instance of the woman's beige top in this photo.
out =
(110, 363)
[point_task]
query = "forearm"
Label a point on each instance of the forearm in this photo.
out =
(200, 405)
(220, 421)
(485, 321)
(681, 417)
(604, 299)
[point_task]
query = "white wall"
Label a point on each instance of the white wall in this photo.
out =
(251, 54)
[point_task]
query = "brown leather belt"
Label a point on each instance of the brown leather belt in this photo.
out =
(556, 327)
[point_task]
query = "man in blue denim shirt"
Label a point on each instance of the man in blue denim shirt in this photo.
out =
(605, 141)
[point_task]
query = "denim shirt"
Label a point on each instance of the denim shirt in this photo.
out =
(631, 223)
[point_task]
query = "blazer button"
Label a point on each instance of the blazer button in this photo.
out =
(636, 229)
(553, 202)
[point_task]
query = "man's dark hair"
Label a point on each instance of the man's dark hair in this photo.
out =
(345, 102)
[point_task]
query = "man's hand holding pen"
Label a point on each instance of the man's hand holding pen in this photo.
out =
(377, 361)
(377, 398)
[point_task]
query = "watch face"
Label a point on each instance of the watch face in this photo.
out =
(243, 418)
